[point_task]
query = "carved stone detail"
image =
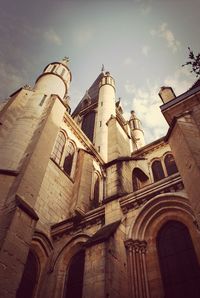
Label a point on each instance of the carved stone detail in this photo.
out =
(136, 251)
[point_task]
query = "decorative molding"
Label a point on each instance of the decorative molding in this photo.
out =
(138, 198)
(138, 282)
(77, 223)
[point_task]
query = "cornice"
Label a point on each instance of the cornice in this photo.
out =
(76, 223)
(138, 198)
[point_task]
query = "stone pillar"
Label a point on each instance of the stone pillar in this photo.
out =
(184, 139)
(14, 250)
(138, 282)
(82, 185)
(94, 272)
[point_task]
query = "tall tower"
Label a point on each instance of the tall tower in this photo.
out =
(137, 133)
(30, 122)
(106, 108)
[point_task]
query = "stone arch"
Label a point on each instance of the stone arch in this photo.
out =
(61, 261)
(96, 189)
(142, 236)
(36, 263)
(154, 208)
(42, 247)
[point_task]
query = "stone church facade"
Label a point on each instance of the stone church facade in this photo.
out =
(86, 208)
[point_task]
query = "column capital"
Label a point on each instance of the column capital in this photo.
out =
(136, 245)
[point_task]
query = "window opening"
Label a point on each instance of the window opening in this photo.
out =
(29, 277)
(157, 170)
(74, 280)
(69, 158)
(58, 147)
(170, 164)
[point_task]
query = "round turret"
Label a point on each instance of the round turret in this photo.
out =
(106, 109)
(55, 79)
(136, 130)
(107, 80)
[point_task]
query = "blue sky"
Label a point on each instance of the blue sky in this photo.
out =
(142, 43)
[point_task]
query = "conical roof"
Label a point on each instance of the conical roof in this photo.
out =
(93, 92)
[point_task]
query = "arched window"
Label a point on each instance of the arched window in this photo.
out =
(96, 191)
(58, 147)
(135, 182)
(157, 170)
(70, 150)
(88, 125)
(178, 262)
(138, 176)
(74, 278)
(170, 164)
(29, 277)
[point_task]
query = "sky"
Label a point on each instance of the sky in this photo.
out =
(143, 44)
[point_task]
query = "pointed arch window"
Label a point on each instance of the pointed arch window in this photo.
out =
(138, 176)
(157, 170)
(29, 277)
(178, 262)
(68, 162)
(59, 147)
(96, 191)
(170, 164)
(74, 278)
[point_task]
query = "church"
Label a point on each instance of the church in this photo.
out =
(87, 209)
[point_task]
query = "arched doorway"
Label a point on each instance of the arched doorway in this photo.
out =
(29, 277)
(178, 262)
(74, 278)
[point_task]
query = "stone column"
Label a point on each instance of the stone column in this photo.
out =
(136, 251)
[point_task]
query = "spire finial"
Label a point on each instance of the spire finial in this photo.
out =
(66, 60)
(102, 68)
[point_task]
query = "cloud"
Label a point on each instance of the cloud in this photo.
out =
(128, 61)
(145, 9)
(52, 37)
(83, 35)
(145, 102)
(10, 79)
(145, 50)
(168, 36)
(180, 81)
